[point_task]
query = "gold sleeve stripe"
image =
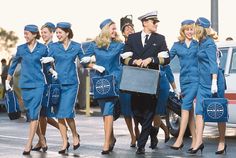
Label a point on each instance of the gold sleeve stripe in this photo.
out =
(126, 62)
(161, 60)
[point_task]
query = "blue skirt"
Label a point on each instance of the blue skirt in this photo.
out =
(163, 93)
(46, 109)
(32, 98)
(107, 106)
(66, 108)
(189, 92)
(125, 103)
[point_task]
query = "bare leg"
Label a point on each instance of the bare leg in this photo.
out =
(52, 122)
(62, 128)
(199, 131)
(192, 128)
(129, 124)
(108, 126)
(136, 129)
(41, 130)
(183, 125)
(221, 128)
(71, 124)
(32, 130)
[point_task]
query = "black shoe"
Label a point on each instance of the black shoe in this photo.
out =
(221, 151)
(189, 150)
(201, 147)
(26, 152)
(132, 145)
(167, 139)
(77, 145)
(36, 148)
(45, 148)
(64, 150)
(105, 152)
(177, 148)
(111, 147)
(140, 151)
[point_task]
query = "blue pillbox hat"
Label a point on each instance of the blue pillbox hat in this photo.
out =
(50, 25)
(187, 22)
(64, 25)
(105, 22)
(31, 28)
(203, 22)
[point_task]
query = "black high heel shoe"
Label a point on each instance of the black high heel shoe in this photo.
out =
(36, 148)
(177, 148)
(105, 152)
(111, 147)
(45, 148)
(27, 152)
(221, 151)
(64, 150)
(201, 147)
(189, 150)
(77, 145)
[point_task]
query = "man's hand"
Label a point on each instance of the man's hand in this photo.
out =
(146, 62)
(137, 62)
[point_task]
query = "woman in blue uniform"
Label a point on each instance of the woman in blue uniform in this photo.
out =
(211, 80)
(65, 53)
(47, 31)
(107, 48)
(32, 80)
(186, 49)
(127, 28)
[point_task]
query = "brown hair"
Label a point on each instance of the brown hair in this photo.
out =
(68, 30)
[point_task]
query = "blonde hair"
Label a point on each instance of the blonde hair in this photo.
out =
(201, 33)
(182, 36)
(104, 38)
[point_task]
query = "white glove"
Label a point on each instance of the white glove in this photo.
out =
(214, 87)
(85, 60)
(126, 55)
(54, 73)
(93, 58)
(98, 68)
(163, 54)
(45, 60)
(177, 93)
(7, 84)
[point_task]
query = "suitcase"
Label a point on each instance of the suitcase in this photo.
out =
(12, 105)
(140, 80)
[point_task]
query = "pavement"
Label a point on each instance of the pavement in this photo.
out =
(13, 137)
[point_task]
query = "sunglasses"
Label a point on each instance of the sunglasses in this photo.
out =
(154, 21)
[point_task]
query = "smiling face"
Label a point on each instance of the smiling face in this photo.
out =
(29, 36)
(189, 32)
(46, 34)
(61, 35)
(112, 30)
(128, 29)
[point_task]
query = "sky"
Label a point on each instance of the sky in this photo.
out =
(85, 16)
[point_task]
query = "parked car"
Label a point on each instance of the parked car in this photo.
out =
(228, 63)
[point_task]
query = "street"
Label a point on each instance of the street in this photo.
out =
(13, 136)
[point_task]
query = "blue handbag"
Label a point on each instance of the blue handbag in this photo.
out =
(104, 87)
(12, 105)
(215, 109)
(54, 95)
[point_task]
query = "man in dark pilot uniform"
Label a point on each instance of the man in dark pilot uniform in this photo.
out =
(149, 50)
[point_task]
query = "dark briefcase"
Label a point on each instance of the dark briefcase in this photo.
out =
(141, 80)
(12, 105)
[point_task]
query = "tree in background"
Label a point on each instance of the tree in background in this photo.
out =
(8, 40)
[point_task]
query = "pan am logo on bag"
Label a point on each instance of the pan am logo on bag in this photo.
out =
(55, 95)
(102, 86)
(215, 110)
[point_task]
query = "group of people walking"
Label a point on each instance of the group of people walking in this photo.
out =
(200, 77)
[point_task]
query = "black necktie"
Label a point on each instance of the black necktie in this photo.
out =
(146, 40)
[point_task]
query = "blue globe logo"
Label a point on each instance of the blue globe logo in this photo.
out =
(55, 96)
(215, 110)
(102, 86)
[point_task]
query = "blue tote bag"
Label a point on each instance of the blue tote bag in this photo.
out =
(215, 109)
(54, 95)
(104, 87)
(12, 105)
